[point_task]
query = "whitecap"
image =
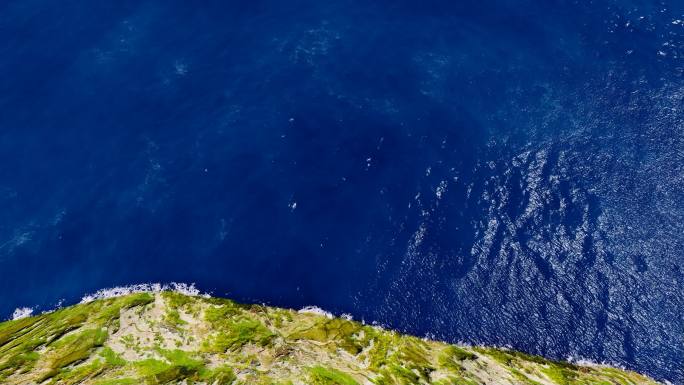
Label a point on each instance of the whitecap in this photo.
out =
(22, 312)
(182, 288)
(316, 310)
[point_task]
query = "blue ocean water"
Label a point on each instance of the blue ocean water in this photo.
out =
(499, 172)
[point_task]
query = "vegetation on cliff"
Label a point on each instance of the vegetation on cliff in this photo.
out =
(171, 338)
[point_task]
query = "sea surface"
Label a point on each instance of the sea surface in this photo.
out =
(495, 172)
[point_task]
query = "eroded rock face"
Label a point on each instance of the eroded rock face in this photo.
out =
(171, 338)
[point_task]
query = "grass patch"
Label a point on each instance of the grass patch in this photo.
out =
(120, 381)
(75, 347)
(222, 375)
(328, 376)
(452, 357)
(237, 333)
(172, 317)
(323, 330)
(112, 358)
(220, 314)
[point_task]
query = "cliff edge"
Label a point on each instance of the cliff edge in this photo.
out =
(172, 338)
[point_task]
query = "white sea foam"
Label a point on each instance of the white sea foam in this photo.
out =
(602, 364)
(183, 288)
(22, 312)
(316, 310)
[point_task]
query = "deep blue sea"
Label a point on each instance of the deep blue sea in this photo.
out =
(497, 172)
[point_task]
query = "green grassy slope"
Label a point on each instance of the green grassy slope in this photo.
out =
(170, 338)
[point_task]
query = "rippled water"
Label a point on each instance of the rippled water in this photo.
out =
(504, 173)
